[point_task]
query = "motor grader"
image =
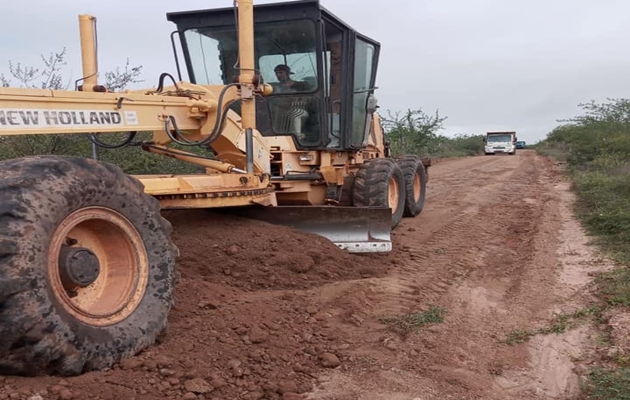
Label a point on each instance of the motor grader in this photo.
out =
(87, 265)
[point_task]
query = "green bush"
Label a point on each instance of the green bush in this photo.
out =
(597, 149)
(131, 159)
(416, 132)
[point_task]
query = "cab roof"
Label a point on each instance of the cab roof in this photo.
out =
(262, 13)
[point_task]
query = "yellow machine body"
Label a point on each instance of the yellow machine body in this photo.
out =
(241, 169)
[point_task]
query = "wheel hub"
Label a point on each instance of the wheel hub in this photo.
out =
(78, 266)
(98, 247)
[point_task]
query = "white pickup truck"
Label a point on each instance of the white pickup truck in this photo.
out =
(500, 142)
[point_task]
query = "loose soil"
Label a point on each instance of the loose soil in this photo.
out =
(264, 312)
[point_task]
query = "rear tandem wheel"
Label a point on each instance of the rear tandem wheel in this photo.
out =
(415, 184)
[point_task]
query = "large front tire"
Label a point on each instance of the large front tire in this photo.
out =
(380, 183)
(86, 266)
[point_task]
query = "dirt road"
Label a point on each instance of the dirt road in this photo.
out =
(266, 313)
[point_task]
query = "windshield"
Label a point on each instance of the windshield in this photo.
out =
(285, 54)
(499, 138)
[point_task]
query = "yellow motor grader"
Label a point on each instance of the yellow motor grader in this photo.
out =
(281, 99)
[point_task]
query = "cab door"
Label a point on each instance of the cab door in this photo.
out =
(364, 67)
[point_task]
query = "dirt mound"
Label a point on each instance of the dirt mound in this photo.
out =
(252, 255)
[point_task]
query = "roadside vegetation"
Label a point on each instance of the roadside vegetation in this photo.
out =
(595, 147)
(416, 132)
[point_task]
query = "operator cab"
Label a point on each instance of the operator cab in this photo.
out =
(322, 71)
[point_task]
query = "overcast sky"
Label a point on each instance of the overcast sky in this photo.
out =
(485, 64)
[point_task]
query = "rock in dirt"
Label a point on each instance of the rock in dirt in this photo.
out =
(167, 372)
(241, 330)
(258, 335)
(66, 395)
(163, 361)
(198, 385)
(232, 250)
(130, 363)
(235, 368)
(254, 396)
(320, 316)
(270, 387)
(208, 304)
(390, 344)
(217, 381)
(330, 360)
(287, 387)
(189, 396)
(56, 389)
(273, 326)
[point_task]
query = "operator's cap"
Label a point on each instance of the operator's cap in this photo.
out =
(283, 67)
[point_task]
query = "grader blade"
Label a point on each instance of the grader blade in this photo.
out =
(355, 229)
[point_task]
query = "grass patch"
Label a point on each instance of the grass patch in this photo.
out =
(604, 207)
(408, 323)
(615, 286)
(561, 323)
(518, 336)
(607, 384)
